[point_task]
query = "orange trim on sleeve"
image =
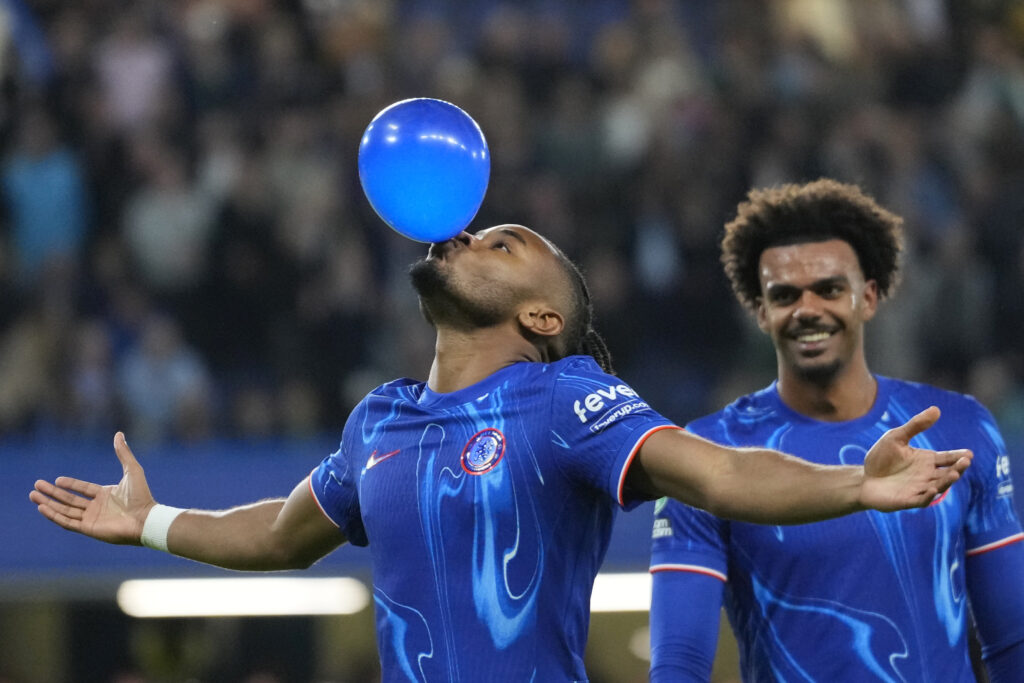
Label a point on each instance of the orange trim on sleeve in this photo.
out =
(317, 500)
(636, 449)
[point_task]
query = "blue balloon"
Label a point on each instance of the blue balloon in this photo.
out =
(424, 166)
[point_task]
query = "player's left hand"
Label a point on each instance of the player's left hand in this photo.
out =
(899, 476)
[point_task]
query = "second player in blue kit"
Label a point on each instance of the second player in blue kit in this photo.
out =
(867, 597)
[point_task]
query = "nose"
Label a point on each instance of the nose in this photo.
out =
(464, 239)
(808, 306)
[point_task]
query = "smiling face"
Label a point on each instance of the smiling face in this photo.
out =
(814, 303)
(482, 280)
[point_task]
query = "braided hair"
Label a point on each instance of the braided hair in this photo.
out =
(580, 336)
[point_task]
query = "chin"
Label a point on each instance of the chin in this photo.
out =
(443, 305)
(818, 373)
(427, 277)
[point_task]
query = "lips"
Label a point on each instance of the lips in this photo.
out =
(810, 340)
(438, 250)
(812, 337)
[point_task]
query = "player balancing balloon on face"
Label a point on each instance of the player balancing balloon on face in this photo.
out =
(486, 494)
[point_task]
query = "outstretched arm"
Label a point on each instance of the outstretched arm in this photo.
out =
(769, 487)
(286, 533)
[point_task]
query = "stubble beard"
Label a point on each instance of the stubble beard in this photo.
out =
(441, 303)
(819, 375)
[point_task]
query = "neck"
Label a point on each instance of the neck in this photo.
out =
(463, 358)
(847, 396)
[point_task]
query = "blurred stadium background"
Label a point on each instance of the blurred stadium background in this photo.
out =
(185, 253)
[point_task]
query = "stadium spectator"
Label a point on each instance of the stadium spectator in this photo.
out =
(592, 132)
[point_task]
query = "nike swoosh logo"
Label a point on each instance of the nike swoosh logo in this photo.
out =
(377, 459)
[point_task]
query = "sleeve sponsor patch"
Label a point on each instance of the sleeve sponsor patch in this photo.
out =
(606, 405)
(662, 528)
(1005, 487)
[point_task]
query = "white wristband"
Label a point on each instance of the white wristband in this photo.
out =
(158, 521)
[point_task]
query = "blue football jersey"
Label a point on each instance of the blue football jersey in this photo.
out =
(866, 597)
(487, 512)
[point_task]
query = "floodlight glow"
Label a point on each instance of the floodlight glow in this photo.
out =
(621, 593)
(279, 596)
(263, 596)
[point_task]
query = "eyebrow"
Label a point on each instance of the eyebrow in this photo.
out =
(817, 284)
(513, 234)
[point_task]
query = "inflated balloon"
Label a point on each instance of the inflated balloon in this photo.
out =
(424, 166)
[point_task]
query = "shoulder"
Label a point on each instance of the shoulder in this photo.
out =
(571, 364)
(953, 405)
(747, 411)
(582, 377)
(402, 387)
(575, 372)
(964, 422)
(396, 391)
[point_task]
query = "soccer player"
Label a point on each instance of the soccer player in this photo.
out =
(868, 597)
(487, 493)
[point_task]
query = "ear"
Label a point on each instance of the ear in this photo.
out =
(870, 300)
(540, 319)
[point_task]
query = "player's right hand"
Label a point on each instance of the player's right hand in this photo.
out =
(112, 513)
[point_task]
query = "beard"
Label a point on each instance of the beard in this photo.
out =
(820, 375)
(443, 305)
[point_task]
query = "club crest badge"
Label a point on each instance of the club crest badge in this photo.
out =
(483, 451)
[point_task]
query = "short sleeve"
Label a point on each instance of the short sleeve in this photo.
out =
(991, 518)
(598, 425)
(688, 539)
(335, 484)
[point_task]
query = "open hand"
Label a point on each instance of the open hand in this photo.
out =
(112, 513)
(899, 476)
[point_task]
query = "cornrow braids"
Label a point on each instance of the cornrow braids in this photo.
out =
(593, 345)
(580, 336)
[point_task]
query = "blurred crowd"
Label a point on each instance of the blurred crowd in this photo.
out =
(185, 251)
